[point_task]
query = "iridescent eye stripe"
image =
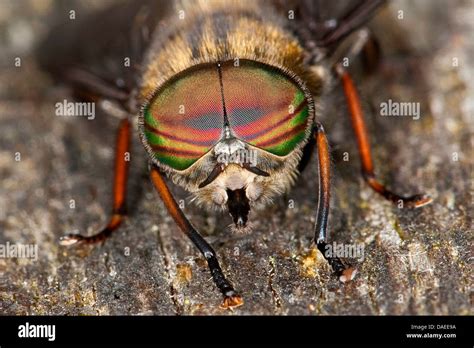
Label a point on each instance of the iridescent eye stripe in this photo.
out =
(274, 120)
(284, 135)
(265, 108)
(184, 120)
(170, 136)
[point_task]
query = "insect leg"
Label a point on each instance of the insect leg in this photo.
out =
(361, 42)
(344, 273)
(93, 85)
(120, 187)
(351, 21)
(363, 143)
(231, 297)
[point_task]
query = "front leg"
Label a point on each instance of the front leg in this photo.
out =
(231, 298)
(345, 273)
(120, 189)
(363, 143)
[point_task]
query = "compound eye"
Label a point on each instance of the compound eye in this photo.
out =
(265, 107)
(185, 118)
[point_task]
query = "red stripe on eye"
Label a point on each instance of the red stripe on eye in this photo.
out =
(274, 141)
(249, 137)
(176, 138)
(178, 128)
(174, 151)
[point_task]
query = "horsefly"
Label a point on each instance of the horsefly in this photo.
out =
(226, 94)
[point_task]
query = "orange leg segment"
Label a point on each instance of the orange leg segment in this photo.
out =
(120, 189)
(363, 143)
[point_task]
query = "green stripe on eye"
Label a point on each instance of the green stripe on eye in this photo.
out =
(289, 143)
(176, 163)
(299, 98)
(149, 119)
(153, 138)
(300, 118)
(171, 159)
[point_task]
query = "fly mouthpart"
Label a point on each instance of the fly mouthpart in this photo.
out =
(239, 206)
